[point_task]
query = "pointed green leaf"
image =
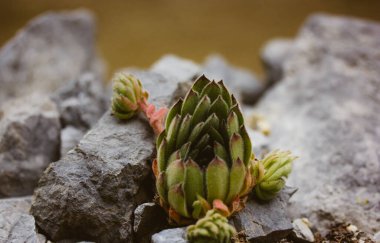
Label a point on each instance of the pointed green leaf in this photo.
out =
(193, 182)
(217, 180)
(221, 152)
(173, 111)
(175, 173)
(172, 132)
(237, 177)
(212, 121)
(201, 111)
(247, 145)
(184, 151)
(219, 107)
(202, 142)
(176, 198)
(211, 90)
(196, 132)
(184, 131)
(225, 93)
(237, 111)
(232, 124)
(200, 83)
(215, 135)
(161, 187)
(189, 103)
(161, 156)
(160, 138)
(174, 156)
(236, 147)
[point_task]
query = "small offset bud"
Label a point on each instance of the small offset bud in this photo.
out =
(277, 166)
(127, 94)
(213, 228)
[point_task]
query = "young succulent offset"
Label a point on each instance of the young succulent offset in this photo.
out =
(129, 98)
(213, 228)
(128, 93)
(204, 157)
(271, 172)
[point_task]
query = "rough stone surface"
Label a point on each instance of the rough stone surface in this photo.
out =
(29, 141)
(326, 110)
(273, 56)
(174, 67)
(16, 225)
(176, 235)
(301, 232)
(53, 48)
(149, 219)
(70, 137)
(82, 101)
(265, 221)
(242, 83)
(91, 193)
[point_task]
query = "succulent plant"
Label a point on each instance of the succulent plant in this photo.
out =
(129, 98)
(271, 172)
(128, 93)
(204, 155)
(213, 228)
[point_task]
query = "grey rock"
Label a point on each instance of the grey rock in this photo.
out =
(29, 141)
(273, 55)
(325, 110)
(91, 193)
(176, 235)
(301, 231)
(242, 83)
(70, 137)
(82, 101)
(265, 221)
(149, 218)
(174, 67)
(52, 49)
(16, 225)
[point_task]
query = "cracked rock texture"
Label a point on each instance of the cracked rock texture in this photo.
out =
(326, 110)
(29, 141)
(91, 193)
(16, 225)
(52, 57)
(52, 49)
(265, 221)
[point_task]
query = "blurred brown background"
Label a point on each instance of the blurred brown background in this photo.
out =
(138, 32)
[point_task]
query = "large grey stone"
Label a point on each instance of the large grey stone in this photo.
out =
(265, 221)
(242, 83)
(325, 110)
(149, 218)
(52, 49)
(81, 101)
(92, 192)
(273, 56)
(16, 225)
(176, 235)
(174, 67)
(29, 141)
